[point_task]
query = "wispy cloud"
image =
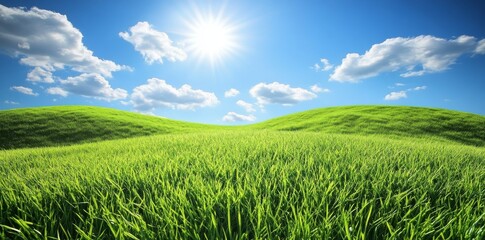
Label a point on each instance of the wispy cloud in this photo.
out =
(153, 45)
(247, 106)
(235, 117)
(481, 47)
(416, 56)
(316, 89)
(419, 88)
(24, 90)
(10, 102)
(392, 96)
(323, 66)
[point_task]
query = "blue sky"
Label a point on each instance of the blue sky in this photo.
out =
(180, 59)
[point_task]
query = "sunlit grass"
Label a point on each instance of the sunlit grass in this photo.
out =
(244, 185)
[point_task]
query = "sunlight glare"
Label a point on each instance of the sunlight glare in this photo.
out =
(212, 38)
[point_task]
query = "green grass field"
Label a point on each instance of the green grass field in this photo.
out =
(301, 176)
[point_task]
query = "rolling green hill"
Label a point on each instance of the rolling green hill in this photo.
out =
(363, 172)
(65, 125)
(392, 121)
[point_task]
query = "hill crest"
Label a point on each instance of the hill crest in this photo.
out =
(399, 121)
(65, 125)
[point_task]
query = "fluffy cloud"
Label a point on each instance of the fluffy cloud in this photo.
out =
(279, 93)
(231, 93)
(416, 56)
(317, 89)
(40, 75)
(24, 90)
(247, 106)
(57, 91)
(90, 85)
(325, 65)
(395, 96)
(235, 117)
(152, 44)
(158, 93)
(48, 42)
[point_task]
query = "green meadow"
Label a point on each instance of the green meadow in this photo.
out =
(360, 172)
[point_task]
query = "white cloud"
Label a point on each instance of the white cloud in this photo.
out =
(413, 74)
(279, 93)
(158, 93)
(24, 45)
(395, 96)
(247, 106)
(40, 75)
(399, 84)
(231, 93)
(325, 65)
(402, 94)
(48, 42)
(419, 88)
(57, 91)
(11, 102)
(91, 85)
(317, 89)
(235, 117)
(24, 90)
(416, 56)
(480, 47)
(152, 44)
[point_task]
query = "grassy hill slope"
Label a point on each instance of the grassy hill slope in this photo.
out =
(50, 126)
(65, 125)
(398, 121)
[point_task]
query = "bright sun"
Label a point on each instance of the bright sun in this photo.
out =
(212, 38)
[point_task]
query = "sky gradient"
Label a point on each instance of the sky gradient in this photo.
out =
(262, 59)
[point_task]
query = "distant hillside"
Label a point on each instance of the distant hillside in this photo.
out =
(64, 125)
(386, 120)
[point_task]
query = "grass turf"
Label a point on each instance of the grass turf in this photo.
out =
(244, 185)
